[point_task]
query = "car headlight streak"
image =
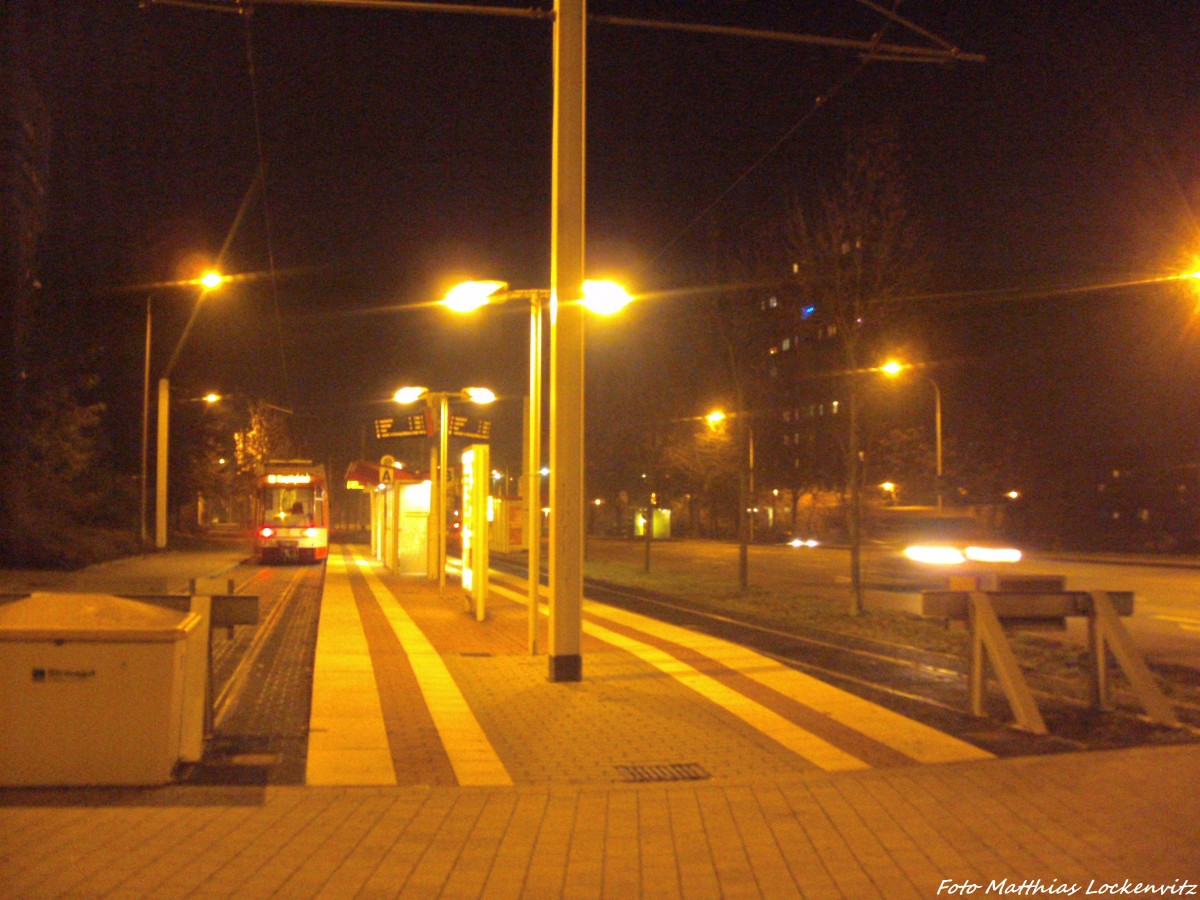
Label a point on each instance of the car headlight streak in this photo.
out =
(934, 555)
(993, 554)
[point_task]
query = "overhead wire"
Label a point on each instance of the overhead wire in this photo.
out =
(820, 103)
(266, 209)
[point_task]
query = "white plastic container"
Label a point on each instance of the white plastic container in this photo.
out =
(92, 689)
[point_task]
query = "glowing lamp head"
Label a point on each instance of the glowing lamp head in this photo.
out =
(470, 295)
(409, 394)
(892, 368)
(211, 279)
(479, 395)
(605, 297)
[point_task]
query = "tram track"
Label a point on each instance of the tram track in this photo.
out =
(262, 683)
(227, 696)
(929, 684)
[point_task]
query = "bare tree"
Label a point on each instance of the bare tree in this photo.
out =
(853, 252)
(741, 334)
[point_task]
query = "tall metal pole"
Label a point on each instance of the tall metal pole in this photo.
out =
(431, 532)
(566, 342)
(145, 507)
(937, 431)
(533, 466)
(160, 485)
(443, 463)
(750, 476)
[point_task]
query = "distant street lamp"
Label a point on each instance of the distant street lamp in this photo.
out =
(208, 281)
(441, 399)
(892, 368)
(602, 297)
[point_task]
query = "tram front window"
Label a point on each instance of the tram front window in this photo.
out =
(280, 506)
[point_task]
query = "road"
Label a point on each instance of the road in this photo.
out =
(1166, 616)
(1165, 623)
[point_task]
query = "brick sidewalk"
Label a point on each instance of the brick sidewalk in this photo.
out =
(764, 824)
(1071, 819)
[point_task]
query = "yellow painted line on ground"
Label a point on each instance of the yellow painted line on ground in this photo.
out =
(803, 743)
(914, 739)
(347, 738)
(471, 754)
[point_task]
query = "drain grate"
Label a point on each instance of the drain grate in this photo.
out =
(663, 772)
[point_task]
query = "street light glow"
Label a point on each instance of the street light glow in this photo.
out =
(892, 367)
(409, 394)
(211, 397)
(714, 418)
(211, 279)
(470, 295)
(479, 395)
(605, 297)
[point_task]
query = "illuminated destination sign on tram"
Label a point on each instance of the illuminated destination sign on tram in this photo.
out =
(289, 479)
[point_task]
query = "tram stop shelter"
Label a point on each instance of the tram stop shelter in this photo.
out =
(399, 504)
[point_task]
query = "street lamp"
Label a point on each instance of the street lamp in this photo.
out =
(441, 399)
(207, 282)
(893, 368)
(603, 298)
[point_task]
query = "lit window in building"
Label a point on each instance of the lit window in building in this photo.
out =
(787, 344)
(834, 406)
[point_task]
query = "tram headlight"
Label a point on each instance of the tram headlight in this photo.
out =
(266, 531)
(310, 532)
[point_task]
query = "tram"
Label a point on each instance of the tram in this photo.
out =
(292, 513)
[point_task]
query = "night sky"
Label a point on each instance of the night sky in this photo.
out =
(406, 151)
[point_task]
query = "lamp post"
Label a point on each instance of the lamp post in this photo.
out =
(441, 401)
(601, 297)
(746, 505)
(207, 282)
(892, 368)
